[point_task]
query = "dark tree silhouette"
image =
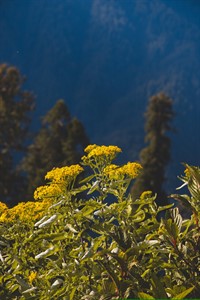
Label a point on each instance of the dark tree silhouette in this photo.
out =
(156, 155)
(15, 108)
(59, 142)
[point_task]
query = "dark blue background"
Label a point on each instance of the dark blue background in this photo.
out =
(106, 58)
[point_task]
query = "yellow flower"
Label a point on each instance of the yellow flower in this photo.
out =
(3, 207)
(32, 276)
(25, 212)
(60, 175)
(131, 170)
(187, 172)
(109, 169)
(47, 191)
(108, 151)
(3, 217)
(90, 148)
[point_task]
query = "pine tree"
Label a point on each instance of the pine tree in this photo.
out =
(59, 142)
(15, 107)
(156, 155)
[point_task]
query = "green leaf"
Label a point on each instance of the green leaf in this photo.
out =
(40, 221)
(112, 191)
(158, 288)
(111, 273)
(71, 296)
(71, 228)
(88, 254)
(79, 190)
(87, 179)
(142, 295)
(57, 236)
(57, 283)
(94, 187)
(161, 208)
(88, 209)
(76, 252)
(24, 285)
(97, 242)
(47, 252)
(14, 288)
(184, 293)
(56, 204)
(139, 216)
(48, 221)
(32, 289)
(183, 199)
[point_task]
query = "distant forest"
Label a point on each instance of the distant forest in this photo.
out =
(62, 139)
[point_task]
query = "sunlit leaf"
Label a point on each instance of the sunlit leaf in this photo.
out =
(142, 295)
(183, 294)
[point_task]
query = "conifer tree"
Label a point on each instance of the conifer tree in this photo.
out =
(59, 142)
(156, 155)
(15, 107)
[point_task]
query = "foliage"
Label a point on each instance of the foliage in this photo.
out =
(106, 245)
(155, 156)
(59, 142)
(15, 107)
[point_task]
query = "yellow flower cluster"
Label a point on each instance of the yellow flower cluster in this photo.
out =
(32, 276)
(3, 207)
(187, 172)
(60, 175)
(89, 148)
(25, 212)
(110, 168)
(131, 169)
(60, 178)
(47, 191)
(96, 151)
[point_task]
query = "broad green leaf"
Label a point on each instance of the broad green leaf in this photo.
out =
(57, 204)
(47, 252)
(48, 221)
(88, 209)
(32, 289)
(41, 221)
(161, 208)
(183, 294)
(55, 236)
(71, 296)
(87, 179)
(142, 295)
(56, 283)
(14, 287)
(94, 187)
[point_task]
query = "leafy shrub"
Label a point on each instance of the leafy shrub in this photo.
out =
(94, 241)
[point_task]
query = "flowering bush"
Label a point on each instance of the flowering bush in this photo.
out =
(90, 240)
